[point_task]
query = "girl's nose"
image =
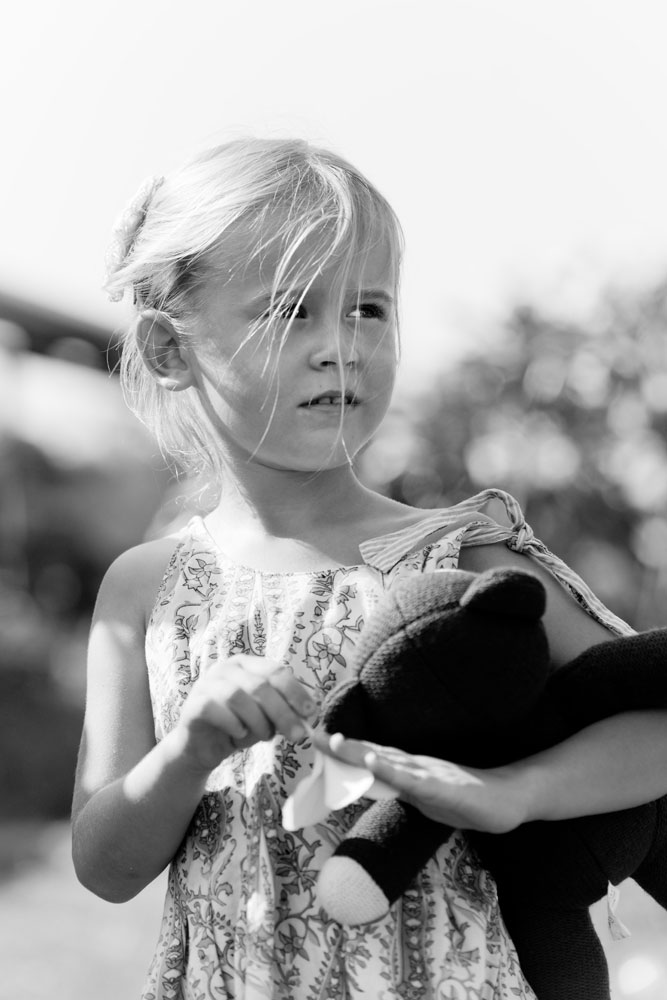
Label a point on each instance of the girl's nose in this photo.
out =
(339, 348)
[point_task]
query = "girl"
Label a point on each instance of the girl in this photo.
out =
(264, 276)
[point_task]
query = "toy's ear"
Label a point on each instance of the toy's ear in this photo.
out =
(506, 591)
(343, 710)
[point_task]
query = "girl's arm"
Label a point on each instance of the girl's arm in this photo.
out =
(614, 764)
(133, 799)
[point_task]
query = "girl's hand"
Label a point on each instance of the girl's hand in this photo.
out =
(238, 702)
(465, 798)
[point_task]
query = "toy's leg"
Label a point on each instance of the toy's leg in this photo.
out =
(549, 874)
(547, 881)
(630, 843)
(652, 872)
(559, 950)
(376, 861)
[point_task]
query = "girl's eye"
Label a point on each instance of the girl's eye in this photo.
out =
(288, 310)
(368, 310)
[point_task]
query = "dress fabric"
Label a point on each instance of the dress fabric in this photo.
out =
(241, 919)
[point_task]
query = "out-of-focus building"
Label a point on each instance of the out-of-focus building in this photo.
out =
(80, 482)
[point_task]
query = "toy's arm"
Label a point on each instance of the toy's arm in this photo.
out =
(376, 862)
(624, 674)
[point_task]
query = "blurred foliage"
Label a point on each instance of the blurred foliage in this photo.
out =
(569, 417)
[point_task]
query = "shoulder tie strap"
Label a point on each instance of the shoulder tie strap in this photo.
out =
(386, 551)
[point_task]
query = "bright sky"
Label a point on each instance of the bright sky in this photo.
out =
(522, 142)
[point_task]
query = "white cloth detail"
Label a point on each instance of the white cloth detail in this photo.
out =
(331, 785)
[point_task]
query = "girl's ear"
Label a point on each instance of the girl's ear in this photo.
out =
(161, 350)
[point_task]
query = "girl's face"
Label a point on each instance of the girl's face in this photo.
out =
(311, 402)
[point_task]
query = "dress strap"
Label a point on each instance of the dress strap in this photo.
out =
(385, 551)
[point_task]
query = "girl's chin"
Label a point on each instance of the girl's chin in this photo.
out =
(308, 464)
(309, 454)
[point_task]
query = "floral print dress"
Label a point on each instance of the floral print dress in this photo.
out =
(241, 918)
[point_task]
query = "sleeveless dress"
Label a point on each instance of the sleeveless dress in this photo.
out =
(241, 919)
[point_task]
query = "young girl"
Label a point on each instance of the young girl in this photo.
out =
(264, 276)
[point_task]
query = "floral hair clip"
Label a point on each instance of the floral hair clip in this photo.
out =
(126, 230)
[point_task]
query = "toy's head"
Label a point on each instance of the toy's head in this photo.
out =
(445, 652)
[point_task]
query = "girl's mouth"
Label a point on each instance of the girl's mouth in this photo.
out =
(336, 399)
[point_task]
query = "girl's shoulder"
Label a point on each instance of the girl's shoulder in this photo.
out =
(133, 580)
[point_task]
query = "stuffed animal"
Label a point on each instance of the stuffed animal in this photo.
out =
(456, 665)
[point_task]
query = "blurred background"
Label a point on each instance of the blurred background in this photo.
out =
(524, 148)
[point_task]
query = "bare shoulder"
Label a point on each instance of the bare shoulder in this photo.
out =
(569, 626)
(131, 584)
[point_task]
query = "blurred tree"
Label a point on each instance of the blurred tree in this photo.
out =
(572, 419)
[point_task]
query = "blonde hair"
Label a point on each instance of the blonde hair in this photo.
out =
(253, 194)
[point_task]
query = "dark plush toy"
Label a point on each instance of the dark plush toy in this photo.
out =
(456, 665)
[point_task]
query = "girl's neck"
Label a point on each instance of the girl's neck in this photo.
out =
(285, 503)
(303, 521)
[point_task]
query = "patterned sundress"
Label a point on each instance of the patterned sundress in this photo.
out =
(241, 918)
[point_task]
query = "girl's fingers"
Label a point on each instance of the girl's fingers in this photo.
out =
(401, 779)
(224, 718)
(402, 774)
(254, 711)
(265, 697)
(355, 751)
(294, 693)
(397, 766)
(250, 698)
(277, 711)
(282, 679)
(282, 697)
(223, 703)
(349, 751)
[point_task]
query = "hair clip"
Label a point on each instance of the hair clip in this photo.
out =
(126, 230)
